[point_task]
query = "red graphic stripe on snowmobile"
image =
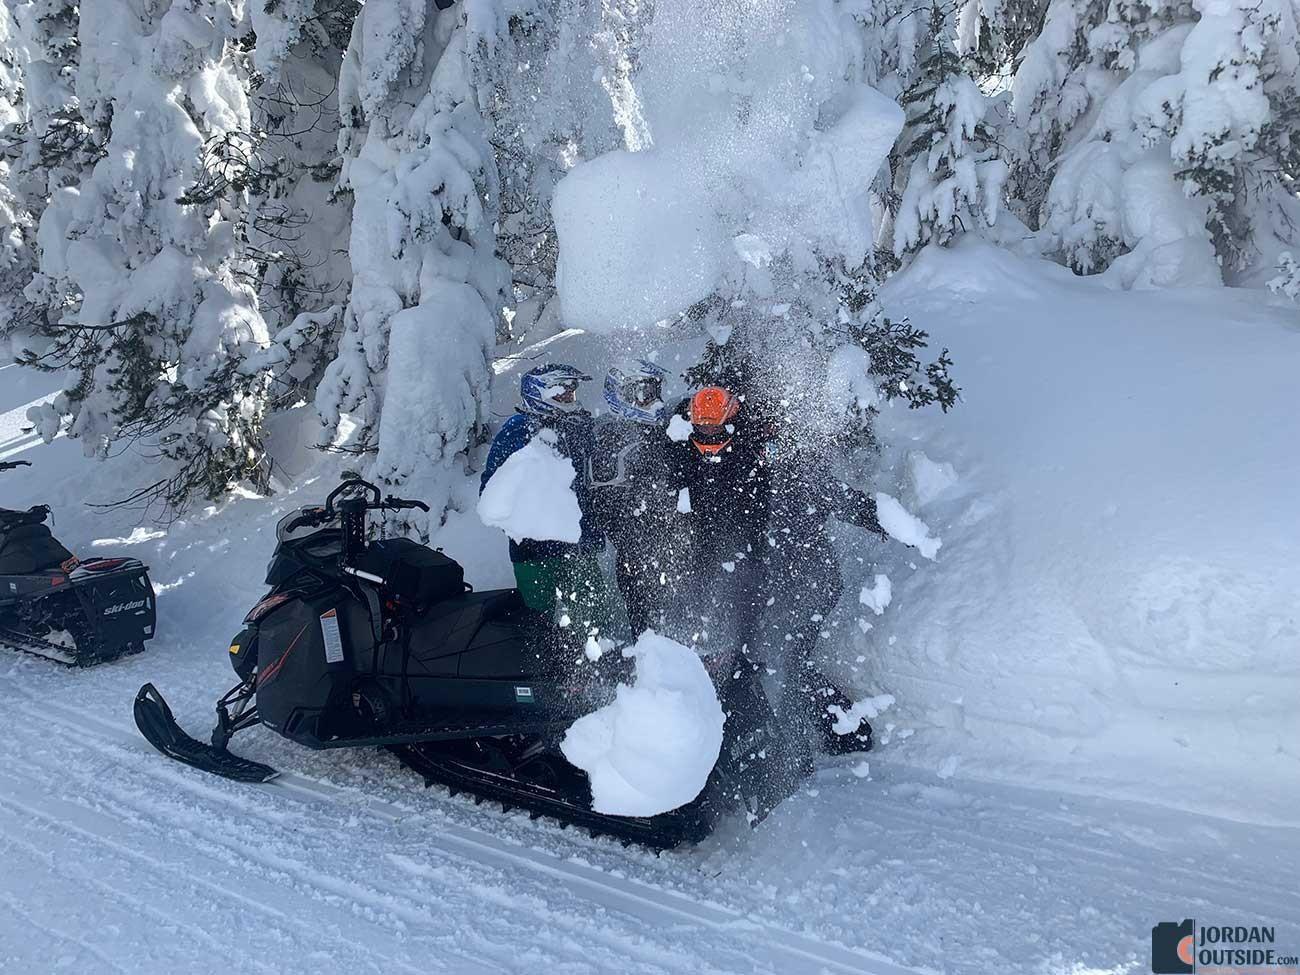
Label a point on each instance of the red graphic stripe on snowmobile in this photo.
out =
(274, 669)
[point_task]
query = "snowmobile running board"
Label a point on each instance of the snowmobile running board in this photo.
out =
(158, 725)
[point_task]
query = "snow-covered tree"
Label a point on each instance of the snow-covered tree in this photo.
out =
(298, 217)
(428, 289)
(1167, 131)
(17, 225)
(948, 175)
(140, 261)
(44, 145)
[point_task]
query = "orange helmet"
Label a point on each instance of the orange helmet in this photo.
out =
(712, 409)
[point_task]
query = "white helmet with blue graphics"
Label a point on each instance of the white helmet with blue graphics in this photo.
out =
(634, 390)
(551, 390)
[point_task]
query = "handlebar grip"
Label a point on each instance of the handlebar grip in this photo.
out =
(400, 503)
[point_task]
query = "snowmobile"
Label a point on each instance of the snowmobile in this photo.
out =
(382, 643)
(76, 611)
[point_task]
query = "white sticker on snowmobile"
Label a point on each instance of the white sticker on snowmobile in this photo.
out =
(329, 631)
(124, 608)
(524, 695)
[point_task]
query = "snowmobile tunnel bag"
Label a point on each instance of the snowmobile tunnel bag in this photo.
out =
(29, 548)
(418, 575)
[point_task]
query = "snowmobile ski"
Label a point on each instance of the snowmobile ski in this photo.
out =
(158, 725)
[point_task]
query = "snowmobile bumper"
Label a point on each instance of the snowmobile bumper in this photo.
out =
(82, 614)
(158, 725)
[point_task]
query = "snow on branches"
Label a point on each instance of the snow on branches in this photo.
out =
(947, 169)
(1167, 133)
(151, 317)
(428, 288)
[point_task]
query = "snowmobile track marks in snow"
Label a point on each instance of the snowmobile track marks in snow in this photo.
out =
(782, 949)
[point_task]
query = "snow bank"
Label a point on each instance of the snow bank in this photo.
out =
(653, 748)
(531, 495)
(1115, 607)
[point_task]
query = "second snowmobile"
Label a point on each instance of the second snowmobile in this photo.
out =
(381, 643)
(76, 611)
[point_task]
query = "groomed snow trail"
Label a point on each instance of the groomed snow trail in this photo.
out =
(118, 860)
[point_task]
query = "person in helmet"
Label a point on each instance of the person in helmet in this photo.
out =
(806, 500)
(722, 490)
(550, 401)
(629, 477)
(761, 546)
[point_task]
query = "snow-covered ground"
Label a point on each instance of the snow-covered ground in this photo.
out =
(1107, 629)
(1114, 606)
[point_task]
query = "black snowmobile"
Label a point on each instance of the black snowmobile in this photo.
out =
(383, 644)
(75, 611)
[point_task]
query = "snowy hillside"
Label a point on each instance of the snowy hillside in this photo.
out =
(1113, 610)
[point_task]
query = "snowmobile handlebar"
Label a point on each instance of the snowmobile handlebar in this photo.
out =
(9, 465)
(371, 501)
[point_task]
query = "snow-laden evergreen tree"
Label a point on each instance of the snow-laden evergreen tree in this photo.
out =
(411, 374)
(17, 224)
(544, 113)
(1167, 132)
(140, 260)
(45, 145)
(949, 177)
(298, 218)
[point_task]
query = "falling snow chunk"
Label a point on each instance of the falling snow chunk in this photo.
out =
(679, 428)
(652, 750)
(905, 527)
(754, 251)
(848, 721)
(684, 501)
(531, 495)
(878, 597)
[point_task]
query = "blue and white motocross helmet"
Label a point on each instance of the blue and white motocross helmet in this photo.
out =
(634, 390)
(551, 390)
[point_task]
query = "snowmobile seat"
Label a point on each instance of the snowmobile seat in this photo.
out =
(28, 548)
(32, 516)
(418, 575)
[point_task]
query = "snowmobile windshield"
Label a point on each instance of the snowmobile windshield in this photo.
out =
(284, 532)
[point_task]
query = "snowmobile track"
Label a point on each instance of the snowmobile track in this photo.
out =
(784, 950)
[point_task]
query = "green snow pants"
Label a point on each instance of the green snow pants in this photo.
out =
(571, 585)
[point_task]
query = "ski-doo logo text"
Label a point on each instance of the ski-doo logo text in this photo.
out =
(1218, 949)
(124, 607)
